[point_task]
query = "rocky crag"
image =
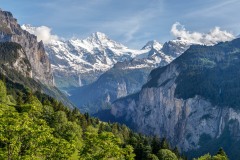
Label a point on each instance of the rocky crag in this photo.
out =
(10, 31)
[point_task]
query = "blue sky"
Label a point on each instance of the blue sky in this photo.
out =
(131, 22)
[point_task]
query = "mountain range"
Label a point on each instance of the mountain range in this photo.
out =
(83, 61)
(193, 101)
(81, 66)
(122, 79)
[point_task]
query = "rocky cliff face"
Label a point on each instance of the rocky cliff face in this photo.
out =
(16, 68)
(10, 31)
(12, 56)
(23, 59)
(176, 47)
(189, 100)
(183, 122)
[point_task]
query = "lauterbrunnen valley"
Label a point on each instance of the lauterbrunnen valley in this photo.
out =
(119, 80)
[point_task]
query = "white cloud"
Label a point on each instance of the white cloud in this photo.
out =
(43, 33)
(212, 37)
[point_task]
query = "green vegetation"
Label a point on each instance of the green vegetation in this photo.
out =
(104, 145)
(166, 154)
(211, 72)
(227, 141)
(36, 126)
(221, 155)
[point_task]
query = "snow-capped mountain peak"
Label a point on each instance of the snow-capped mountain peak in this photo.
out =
(82, 61)
(101, 40)
(153, 45)
(98, 36)
(28, 28)
(176, 47)
(85, 60)
(89, 57)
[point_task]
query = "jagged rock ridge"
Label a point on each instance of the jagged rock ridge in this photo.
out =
(122, 79)
(77, 62)
(85, 60)
(10, 31)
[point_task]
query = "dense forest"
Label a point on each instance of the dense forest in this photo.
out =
(36, 126)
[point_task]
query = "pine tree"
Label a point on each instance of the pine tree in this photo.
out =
(3, 92)
(221, 152)
(164, 144)
(100, 128)
(156, 145)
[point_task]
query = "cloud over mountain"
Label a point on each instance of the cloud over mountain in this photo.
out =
(214, 36)
(43, 33)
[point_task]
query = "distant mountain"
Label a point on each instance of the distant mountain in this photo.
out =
(123, 79)
(194, 101)
(78, 62)
(126, 77)
(176, 47)
(153, 44)
(81, 66)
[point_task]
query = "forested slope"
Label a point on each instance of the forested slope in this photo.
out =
(35, 126)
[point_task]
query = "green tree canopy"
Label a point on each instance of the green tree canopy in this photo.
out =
(165, 154)
(104, 146)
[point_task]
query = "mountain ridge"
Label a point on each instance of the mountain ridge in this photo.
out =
(192, 101)
(82, 61)
(88, 58)
(79, 65)
(10, 31)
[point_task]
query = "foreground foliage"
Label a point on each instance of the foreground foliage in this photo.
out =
(221, 155)
(35, 126)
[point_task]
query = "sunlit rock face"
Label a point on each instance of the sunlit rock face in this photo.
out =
(10, 31)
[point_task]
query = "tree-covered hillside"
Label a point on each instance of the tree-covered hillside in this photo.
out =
(211, 72)
(35, 126)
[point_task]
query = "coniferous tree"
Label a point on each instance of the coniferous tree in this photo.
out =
(156, 145)
(164, 144)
